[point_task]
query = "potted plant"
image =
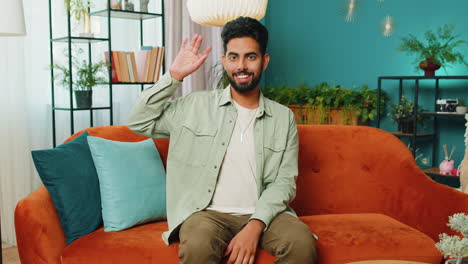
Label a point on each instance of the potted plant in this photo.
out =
(79, 10)
(403, 113)
(324, 104)
(86, 75)
(454, 246)
(439, 50)
(461, 107)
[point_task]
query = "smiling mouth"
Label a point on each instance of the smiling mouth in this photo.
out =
(243, 77)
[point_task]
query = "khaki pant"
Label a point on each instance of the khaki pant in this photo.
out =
(205, 235)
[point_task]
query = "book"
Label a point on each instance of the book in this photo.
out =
(111, 68)
(152, 64)
(141, 64)
(134, 66)
(118, 68)
(159, 62)
(124, 66)
(131, 76)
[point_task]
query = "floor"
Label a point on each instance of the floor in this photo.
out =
(10, 255)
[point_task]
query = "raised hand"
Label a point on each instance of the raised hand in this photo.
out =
(188, 59)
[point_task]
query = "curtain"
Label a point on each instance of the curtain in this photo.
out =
(25, 96)
(180, 26)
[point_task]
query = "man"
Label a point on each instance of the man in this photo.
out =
(232, 159)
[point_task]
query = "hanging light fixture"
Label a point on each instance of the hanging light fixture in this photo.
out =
(12, 18)
(350, 12)
(388, 26)
(219, 12)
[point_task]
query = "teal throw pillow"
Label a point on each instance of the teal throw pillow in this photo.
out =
(132, 182)
(69, 175)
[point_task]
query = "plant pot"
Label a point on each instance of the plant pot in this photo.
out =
(84, 99)
(461, 109)
(429, 67)
(144, 5)
(407, 126)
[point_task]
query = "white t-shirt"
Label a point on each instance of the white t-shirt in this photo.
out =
(236, 190)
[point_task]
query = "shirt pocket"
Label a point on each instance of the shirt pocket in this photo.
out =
(195, 143)
(273, 153)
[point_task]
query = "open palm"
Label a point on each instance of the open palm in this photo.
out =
(188, 59)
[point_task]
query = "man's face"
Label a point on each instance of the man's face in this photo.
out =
(244, 63)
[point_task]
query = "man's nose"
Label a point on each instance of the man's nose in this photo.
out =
(242, 65)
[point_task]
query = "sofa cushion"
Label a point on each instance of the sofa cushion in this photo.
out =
(69, 175)
(342, 238)
(132, 182)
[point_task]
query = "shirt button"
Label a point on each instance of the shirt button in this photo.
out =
(209, 190)
(215, 167)
(223, 144)
(198, 208)
(230, 121)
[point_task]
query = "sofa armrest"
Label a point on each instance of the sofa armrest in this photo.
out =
(423, 203)
(39, 234)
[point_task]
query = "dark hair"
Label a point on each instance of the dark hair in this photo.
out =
(245, 27)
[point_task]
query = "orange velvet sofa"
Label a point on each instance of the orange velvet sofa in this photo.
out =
(358, 189)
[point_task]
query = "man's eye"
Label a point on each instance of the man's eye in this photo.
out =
(232, 57)
(252, 57)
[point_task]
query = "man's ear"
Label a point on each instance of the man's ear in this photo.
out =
(223, 60)
(266, 61)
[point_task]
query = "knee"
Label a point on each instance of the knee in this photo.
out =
(199, 244)
(300, 248)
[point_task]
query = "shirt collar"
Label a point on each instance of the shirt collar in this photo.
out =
(263, 106)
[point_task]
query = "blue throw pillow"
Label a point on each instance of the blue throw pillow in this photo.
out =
(132, 182)
(69, 175)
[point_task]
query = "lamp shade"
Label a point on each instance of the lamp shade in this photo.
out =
(219, 12)
(12, 18)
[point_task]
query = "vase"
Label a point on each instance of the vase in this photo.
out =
(429, 67)
(86, 27)
(84, 99)
(144, 5)
(407, 126)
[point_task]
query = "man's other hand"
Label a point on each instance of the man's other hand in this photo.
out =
(188, 60)
(242, 248)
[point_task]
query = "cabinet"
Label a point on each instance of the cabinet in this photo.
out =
(433, 137)
(69, 38)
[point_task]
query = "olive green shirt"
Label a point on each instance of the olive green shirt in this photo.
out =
(200, 126)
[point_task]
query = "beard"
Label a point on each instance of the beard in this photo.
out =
(245, 87)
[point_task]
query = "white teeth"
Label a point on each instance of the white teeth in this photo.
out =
(242, 76)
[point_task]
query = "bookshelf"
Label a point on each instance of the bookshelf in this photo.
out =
(433, 171)
(69, 38)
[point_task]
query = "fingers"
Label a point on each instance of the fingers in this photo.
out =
(202, 57)
(228, 250)
(198, 43)
(184, 43)
(233, 256)
(193, 42)
(252, 259)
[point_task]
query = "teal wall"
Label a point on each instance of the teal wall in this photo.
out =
(310, 43)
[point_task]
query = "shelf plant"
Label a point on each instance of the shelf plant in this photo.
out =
(440, 48)
(79, 10)
(86, 75)
(403, 114)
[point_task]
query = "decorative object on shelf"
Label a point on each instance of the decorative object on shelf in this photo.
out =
(439, 50)
(455, 246)
(463, 168)
(403, 112)
(222, 11)
(12, 19)
(324, 104)
(446, 166)
(144, 5)
(114, 4)
(446, 105)
(79, 10)
(86, 76)
(127, 5)
(461, 107)
(388, 26)
(350, 13)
